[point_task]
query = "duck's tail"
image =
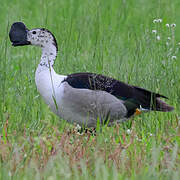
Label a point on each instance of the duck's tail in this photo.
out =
(162, 106)
(151, 101)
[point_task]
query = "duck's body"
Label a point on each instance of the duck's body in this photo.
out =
(78, 105)
(83, 98)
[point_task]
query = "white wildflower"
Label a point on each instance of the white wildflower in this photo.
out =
(173, 57)
(167, 25)
(150, 134)
(167, 44)
(25, 155)
(154, 31)
(158, 37)
(169, 38)
(159, 20)
(173, 25)
(128, 131)
(179, 43)
(155, 21)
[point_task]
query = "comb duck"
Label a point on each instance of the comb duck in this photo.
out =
(82, 98)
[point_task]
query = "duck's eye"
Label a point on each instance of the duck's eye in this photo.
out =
(34, 32)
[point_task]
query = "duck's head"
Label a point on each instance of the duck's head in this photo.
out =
(21, 36)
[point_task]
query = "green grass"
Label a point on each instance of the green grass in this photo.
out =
(113, 38)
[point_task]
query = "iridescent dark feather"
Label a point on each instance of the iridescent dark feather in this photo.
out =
(133, 96)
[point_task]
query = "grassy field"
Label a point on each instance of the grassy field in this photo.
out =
(114, 38)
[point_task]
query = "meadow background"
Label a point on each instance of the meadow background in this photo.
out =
(113, 38)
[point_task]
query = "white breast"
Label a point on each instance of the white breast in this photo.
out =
(48, 83)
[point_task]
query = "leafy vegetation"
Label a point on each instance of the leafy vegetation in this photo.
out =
(133, 41)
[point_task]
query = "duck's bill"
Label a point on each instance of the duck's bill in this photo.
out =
(18, 34)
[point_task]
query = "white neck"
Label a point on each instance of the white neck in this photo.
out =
(48, 56)
(47, 80)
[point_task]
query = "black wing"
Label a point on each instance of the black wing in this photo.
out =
(133, 96)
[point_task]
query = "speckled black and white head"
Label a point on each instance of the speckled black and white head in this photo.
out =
(41, 37)
(20, 35)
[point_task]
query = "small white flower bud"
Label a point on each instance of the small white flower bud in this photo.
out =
(159, 20)
(128, 131)
(154, 31)
(173, 57)
(173, 25)
(155, 21)
(158, 37)
(167, 25)
(25, 155)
